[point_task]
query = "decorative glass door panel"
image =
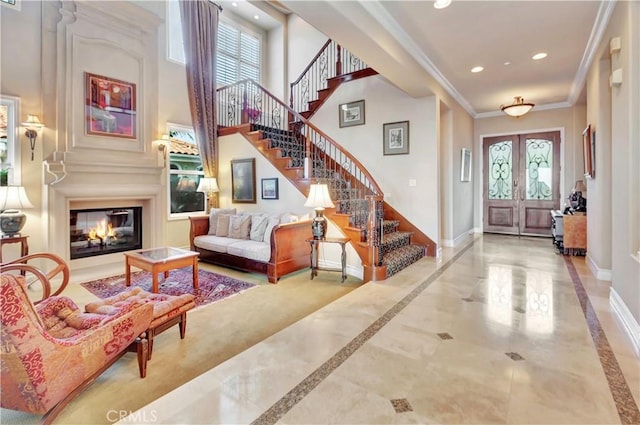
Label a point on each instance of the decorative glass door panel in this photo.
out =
(500, 170)
(522, 183)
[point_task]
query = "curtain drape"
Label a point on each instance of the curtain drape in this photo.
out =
(200, 31)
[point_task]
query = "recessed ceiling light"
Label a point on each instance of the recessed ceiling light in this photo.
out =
(507, 63)
(538, 56)
(477, 69)
(441, 4)
(256, 17)
(234, 4)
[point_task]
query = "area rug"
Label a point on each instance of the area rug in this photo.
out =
(212, 287)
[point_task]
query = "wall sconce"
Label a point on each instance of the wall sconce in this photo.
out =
(163, 145)
(32, 124)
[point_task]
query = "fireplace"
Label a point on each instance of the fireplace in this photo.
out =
(100, 231)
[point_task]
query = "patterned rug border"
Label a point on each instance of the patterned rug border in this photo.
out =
(212, 287)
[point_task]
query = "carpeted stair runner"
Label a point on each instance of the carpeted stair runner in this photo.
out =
(397, 250)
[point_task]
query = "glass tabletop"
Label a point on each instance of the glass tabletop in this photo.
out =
(165, 253)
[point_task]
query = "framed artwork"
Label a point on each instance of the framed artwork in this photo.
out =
(243, 181)
(351, 113)
(588, 152)
(396, 138)
(110, 107)
(270, 188)
(465, 165)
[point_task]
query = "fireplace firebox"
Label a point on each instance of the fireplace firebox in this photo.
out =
(102, 231)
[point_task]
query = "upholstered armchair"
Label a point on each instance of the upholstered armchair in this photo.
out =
(52, 351)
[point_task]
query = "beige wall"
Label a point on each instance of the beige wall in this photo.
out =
(613, 193)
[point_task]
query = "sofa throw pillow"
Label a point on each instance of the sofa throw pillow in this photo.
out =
(222, 227)
(258, 226)
(213, 218)
(273, 222)
(239, 226)
(288, 218)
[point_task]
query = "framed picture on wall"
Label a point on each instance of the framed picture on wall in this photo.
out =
(588, 152)
(243, 181)
(465, 165)
(351, 113)
(110, 107)
(396, 138)
(270, 188)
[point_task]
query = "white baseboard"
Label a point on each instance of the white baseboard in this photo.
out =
(351, 270)
(452, 243)
(600, 274)
(624, 316)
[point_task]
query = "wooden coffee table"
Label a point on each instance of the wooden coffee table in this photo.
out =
(158, 260)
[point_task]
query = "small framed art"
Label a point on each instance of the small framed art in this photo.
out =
(396, 138)
(351, 113)
(270, 188)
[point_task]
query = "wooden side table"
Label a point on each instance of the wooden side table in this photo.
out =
(315, 243)
(22, 240)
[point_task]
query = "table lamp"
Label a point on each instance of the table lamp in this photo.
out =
(12, 200)
(208, 185)
(319, 199)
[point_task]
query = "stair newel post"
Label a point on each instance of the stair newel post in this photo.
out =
(372, 230)
(339, 60)
(291, 88)
(307, 155)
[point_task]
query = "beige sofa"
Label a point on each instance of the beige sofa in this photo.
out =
(272, 244)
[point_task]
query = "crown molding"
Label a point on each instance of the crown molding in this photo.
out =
(597, 32)
(380, 14)
(536, 108)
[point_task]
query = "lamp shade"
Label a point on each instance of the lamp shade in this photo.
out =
(518, 108)
(580, 186)
(13, 198)
(319, 197)
(33, 122)
(208, 185)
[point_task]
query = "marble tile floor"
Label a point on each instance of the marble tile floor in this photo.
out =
(494, 332)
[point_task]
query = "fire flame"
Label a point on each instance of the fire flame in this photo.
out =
(101, 231)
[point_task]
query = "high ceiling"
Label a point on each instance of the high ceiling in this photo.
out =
(413, 44)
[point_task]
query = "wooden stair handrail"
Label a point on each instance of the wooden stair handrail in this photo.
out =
(315, 58)
(375, 187)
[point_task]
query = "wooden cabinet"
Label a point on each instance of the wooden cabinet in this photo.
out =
(569, 232)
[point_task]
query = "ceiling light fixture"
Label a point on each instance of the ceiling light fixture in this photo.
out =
(256, 17)
(477, 69)
(441, 4)
(234, 4)
(539, 56)
(518, 108)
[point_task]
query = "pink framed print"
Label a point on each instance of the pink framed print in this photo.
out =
(110, 107)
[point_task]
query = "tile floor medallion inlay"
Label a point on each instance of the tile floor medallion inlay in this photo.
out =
(401, 405)
(515, 356)
(294, 396)
(520, 310)
(625, 403)
(444, 336)
(467, 299)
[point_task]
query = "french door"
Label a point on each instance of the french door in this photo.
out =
(521, 182)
